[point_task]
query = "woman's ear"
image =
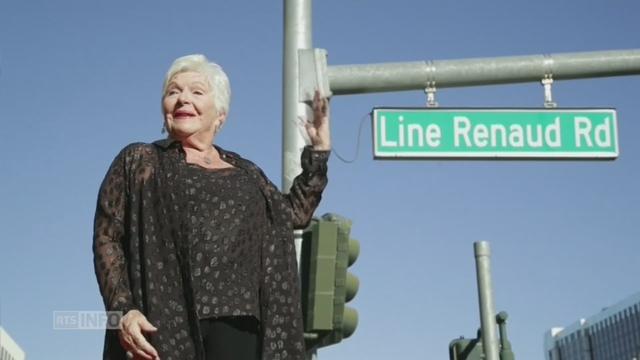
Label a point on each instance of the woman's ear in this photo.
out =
(222, 118)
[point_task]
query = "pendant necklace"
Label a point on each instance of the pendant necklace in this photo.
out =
(207, 160)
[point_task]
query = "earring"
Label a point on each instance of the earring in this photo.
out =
(217, 129)
(164, 129)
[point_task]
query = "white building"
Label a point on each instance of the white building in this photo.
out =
(611, 334)
(9, 350)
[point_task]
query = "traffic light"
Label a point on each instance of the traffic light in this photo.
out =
(471, 349)
(466, 349)
(327, 253)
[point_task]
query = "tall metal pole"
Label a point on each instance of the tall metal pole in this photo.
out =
(367, 78)
(485, 297)
(297, 35)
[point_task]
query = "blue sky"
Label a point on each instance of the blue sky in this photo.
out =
(81, 79)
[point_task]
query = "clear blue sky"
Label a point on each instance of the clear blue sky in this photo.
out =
(81, 79)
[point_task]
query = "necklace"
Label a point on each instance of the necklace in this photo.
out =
(210, 157)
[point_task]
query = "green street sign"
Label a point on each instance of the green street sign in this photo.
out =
(495, 133)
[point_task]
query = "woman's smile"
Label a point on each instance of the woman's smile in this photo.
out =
(183, 114)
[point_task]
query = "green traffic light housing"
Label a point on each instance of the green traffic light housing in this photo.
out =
(327, 253)
(466, 349)
(472, 349)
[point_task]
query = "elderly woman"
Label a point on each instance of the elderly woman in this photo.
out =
(193, 244)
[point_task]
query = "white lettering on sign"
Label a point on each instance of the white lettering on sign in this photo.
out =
(552, 134)
(583, 131)
(419, 134)
(415, 133)
(601, 133)
(480, 135)
(461, 127)
(495, 133)
(400, 131)
(433, 135)
(383, 133)
(518, 136)
(411, 135)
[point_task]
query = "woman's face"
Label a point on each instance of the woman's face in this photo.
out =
(189, 108)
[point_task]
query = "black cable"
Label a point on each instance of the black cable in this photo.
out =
(357, 143)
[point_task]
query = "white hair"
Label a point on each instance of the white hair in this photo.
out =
(218, 80)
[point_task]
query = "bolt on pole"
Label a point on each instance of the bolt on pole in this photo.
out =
(485, 297)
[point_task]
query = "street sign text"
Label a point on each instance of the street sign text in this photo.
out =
(495, 133)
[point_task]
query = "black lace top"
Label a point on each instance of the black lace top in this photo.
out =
(148, 232)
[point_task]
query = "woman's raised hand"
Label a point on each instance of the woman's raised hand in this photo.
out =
(318, 129)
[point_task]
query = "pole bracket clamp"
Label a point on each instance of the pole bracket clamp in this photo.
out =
(430, 88)
(547, 82)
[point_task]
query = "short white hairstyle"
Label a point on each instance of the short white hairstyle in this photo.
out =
(217, 78)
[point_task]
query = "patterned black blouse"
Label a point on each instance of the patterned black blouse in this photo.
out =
(156, 214)
(226, 219)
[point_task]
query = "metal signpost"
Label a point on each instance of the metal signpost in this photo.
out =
(490, 345)
(584, 134)
(495, 133)
(438, 74)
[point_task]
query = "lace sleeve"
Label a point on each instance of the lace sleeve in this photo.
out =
(109, 240)
(306, 190)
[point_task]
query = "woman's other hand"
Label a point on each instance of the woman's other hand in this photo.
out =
(132, 326)
(319, 130)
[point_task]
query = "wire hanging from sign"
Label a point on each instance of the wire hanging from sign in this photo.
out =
(355, 157)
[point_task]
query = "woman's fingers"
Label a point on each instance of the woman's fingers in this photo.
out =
(131, 336)
(320, 107)
(146, 326)
(142, 348)
(318, 130)
(137, 345)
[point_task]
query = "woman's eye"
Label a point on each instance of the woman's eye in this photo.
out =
(198, 92)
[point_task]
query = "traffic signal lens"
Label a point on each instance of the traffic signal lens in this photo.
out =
(353, 284)
(354, 250)
(349, 322)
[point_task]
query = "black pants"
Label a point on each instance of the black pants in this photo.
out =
(231, 338)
